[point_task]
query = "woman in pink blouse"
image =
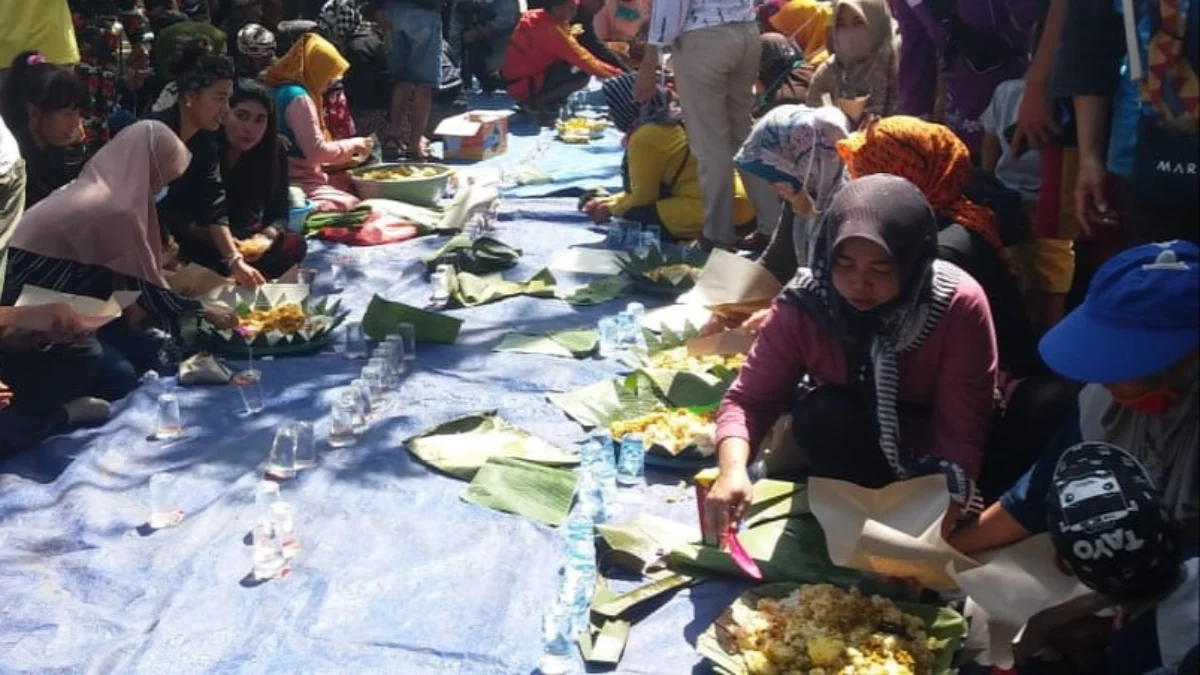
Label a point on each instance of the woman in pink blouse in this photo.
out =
(897, 347)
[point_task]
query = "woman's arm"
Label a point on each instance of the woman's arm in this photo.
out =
(822, 85)
(649, 160)
(302, 118)
(964, 396)
(766, 386)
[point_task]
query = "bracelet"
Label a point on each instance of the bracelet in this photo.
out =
(232, 259)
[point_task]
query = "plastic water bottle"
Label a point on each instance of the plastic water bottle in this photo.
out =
(610, 338)
(556, 641)
(631, 467)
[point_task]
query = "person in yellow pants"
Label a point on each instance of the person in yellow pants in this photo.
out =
(660, 174)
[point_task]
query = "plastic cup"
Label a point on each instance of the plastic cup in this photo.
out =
(365, 411)
(249, 385)
(164, 510)
(306, 446)
(373, 373)
(281, 463)
(283, 520)
(266, 493)
(268, 552)
(408, 340)
(168, 423)
(355, 341)
(342, 420)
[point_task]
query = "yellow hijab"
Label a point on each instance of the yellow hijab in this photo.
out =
(806, 22)
(312, 63)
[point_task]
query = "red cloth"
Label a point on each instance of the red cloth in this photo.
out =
(379, 229)
(538, 41)
(952, 374)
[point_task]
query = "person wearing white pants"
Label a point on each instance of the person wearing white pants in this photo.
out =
(716, 50)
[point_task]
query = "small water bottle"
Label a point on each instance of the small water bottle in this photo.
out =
(610, 339)
(627, 330)
(631, 466)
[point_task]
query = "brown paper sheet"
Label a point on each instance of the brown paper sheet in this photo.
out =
(894, 531)
(196, 281)
(93, 313)
(729, 279)
(736, 341)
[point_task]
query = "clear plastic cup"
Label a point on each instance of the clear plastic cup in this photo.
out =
(249, 385)
(281, 463)
(631, 465)
(306, 446)
(610, 337)
(268, 551)
(164, 509)
(355, 341)
(633, 236)
(168, 423)
(373, 373)
(283, 519)
(408, 340)
(342, 420)
(266, 493)
(365, 411)
(652, 235)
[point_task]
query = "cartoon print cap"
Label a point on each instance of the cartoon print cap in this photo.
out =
(1108, 522)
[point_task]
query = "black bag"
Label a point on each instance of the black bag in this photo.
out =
(1165, 166)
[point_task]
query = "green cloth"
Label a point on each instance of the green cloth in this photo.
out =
(565, 343)
(461, 446)
(382, 317)
(471, 290)
(524, 488)
(604, 289)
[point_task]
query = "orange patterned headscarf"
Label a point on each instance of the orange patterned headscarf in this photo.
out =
(931, 157)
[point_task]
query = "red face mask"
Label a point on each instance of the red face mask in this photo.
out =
(1153, 402)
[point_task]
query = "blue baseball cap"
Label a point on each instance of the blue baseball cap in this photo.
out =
(1140, 316)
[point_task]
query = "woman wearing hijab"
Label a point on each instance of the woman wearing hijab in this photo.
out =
(660, 174)
(1139, 351)
(804, 21)
(255, 51)
(863, 64)
(301, 79)
(937, 161)
(783, 75)
(897, 344)
(98, 235)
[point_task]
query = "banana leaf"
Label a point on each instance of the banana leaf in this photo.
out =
(669, 339)
(618, 606)
(687, 389)
(482, 256)
(535, 491)
(382, 317)
(718, 644)
(642, 543)
(461, 446)
(606, 645)
(578, 343)
(602, 403)
(471, 290)
(598, 291)
(352, 220)
(639, 268)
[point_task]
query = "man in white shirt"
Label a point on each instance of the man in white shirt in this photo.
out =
(715, 49)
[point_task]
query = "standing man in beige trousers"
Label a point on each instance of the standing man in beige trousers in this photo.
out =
(715, 49)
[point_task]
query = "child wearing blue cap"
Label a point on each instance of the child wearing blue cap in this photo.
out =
(1135, 339)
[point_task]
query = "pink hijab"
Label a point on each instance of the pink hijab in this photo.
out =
(107, 217)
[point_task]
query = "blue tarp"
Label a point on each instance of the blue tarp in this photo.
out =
(397, 574)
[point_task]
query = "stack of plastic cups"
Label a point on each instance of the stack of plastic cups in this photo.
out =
(606, 473)
(637, 321)
(579, 579)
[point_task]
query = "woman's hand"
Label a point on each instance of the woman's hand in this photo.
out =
(246, 275)
(719, 322)
(66, 325)
(598, 212)
(6, 395)
(727, 500)
(220, 317)
(360, 148)
(756, 320)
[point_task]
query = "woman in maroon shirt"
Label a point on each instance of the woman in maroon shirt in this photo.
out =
(897, 347)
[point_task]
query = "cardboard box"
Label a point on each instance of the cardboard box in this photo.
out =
(474, 135)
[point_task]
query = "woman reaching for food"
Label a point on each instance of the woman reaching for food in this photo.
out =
(301, 79)
(898, 345)
(194, 206)
(254, 170)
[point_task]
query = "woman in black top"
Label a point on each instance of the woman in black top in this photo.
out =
(254, 168)
(194, 209)
(41, 106)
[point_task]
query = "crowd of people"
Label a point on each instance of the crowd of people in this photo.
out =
(983, 213)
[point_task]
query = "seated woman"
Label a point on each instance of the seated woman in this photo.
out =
(254, 170)
(783, 75)
(194, 205)
(1139, 351)
(544, 63)
(41, 105)
(806, 22)
(98, 235)
(939, 164)
(661, 176)
(863, 62)
(301, 79)
(897, 344)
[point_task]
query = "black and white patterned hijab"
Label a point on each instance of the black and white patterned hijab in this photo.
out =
(339, 20)
(891, 212)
